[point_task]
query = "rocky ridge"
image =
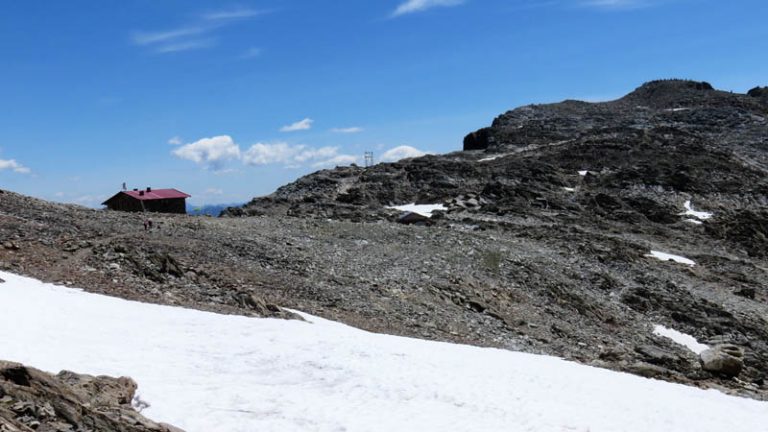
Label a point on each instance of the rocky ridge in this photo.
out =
(645, 139)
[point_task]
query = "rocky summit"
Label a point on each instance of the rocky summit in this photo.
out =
(573, 229)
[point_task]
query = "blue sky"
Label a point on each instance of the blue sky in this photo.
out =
(227, 101)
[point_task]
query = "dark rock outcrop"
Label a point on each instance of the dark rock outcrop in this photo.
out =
(727, 360)
(759, 92)
(747, 229)
(34, 400)
(479, 140)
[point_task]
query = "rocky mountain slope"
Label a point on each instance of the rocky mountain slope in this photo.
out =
(32, 400)
(545, 246)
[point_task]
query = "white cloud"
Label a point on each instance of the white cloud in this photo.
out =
(181, 39)
(265, 154)
(186, 45)
(196, 36)
(401, 152)
(294, 156)
(213, 191)
(232, 14)
(347, 130)
(88, 200)
(175, 141)
(313, 154)
(14, 166)
(335, 161)
(149, 38)
(214, 152)
(411, 6)
(210, 152)
(305, 124)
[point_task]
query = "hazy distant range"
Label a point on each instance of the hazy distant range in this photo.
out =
(209, 209)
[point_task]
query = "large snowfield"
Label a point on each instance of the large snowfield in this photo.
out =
(207, 372)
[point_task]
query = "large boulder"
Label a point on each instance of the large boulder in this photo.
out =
(34, 400)
(262, 308)
(478, 140)
(724, 359)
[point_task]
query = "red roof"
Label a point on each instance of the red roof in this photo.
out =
(155, 194)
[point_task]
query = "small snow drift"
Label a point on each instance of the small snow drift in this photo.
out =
(583, 173)
(683, 339)
(663, 256)
(492, 158)
(689, 211)
(422, 209)
(206, 372)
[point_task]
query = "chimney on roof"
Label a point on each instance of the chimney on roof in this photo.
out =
(141, 193)
(149, 189)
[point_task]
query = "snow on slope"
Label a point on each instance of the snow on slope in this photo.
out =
(422, 209)
(683, 339)
(663, 256)
(208, 372)
(492, 158)
(690, 211)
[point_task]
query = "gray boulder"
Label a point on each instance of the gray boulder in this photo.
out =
(412, 218)
(723, 359)
(34, 400)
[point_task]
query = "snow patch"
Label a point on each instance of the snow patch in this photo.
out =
(422, 209)
(663, 256)
(569, 189)
(488, 159)
(683, 339)
(583, 173)
(694, 221)
(207, 372)
(689, 211)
